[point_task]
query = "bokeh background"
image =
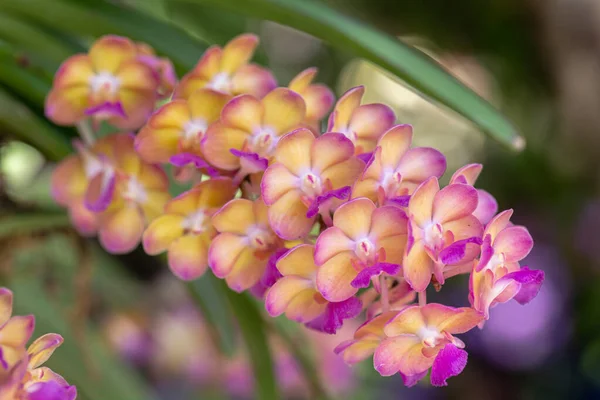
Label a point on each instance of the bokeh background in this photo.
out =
(133, 332)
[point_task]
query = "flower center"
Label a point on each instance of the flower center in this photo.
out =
(390, 182)
(194, 129)
(260, 238)
(434, 236)
(311, 185)
(263, 142)
(496, 260)
(220, 83)
(366, 251)
(430, 337)
(105, 82)
(349, 133)
(196, 222)
(135, 191)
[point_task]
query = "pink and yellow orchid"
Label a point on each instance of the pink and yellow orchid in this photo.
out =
(498, 277)
(241, 250)
(395, 170)
(179, 126)
(226, 70)
(185, 230)
(308, 176)
(421, 337)
(363, 124)
(318, 98)
(109, 83)
(163, 67)
(364, 242)
(442, 231)
(249, 130)
(487, 206)
(296, 294)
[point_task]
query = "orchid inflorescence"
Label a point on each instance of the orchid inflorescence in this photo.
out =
(22, 376)
(324, 226)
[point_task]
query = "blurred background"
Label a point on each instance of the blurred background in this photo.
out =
(133, 332)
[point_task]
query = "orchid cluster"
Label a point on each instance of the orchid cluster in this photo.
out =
(325, 226)
(22, 376)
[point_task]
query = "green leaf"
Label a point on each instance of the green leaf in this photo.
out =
(18, 224)
(97, 18)
(414, 67)
(254, 333)
(27, 126)
(21, 81)
(210, 298)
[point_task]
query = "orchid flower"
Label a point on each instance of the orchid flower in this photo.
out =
(241, 250)
(421, 337)
(395, 170)
(318, 98)
(363, 124)
(109, 83)
(305, 180)
(185, 229)
(226, 70)
(498, 277)
(364, 242)
(442, 231)
(487, 206)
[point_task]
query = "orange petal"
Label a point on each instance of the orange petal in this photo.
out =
(218, 142)
(246, 271)
(281, 294)
(408, 321)
(284, 110)
(74, 71)
(303, 80)
(84, 220)
(42, 348)
(388, 221)
(138, 106)
(294, 150)
(344, 173)
(359, 351)
(299, 261)
(287, 216)
(304, 308)
(420, 206)
(184, 204)
(237, 217)
(370, 121)
(161, 233)
(454, 202)
(224, 251)
(244, 113)
(66, 106)
(261, 212)
(157, 145)
(394, 143)
(334, 277)
(17, 331)
(365, 188)
(354, 218)
(6, 304)
(188, 257)
(135, 75)
(418, 267)
(254, 80)
(110, 51)
(121, 230)
(238, 52)
(207, 104)
(450, 319)
(319, 99)
(69, 181)
(331, 242)
(215, 192)
(344, 108)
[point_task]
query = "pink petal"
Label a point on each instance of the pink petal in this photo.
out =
(298, 262)
(330, 149)
(101, 190)
(6, 305)
(238, 52)
(420, 163)
(467, 174)
(345, 106)
(246, 272)
(449, 362)
(418, 267)
(370, 121)
(161, 233)
(487, 206)
(218, 142)
(498, 223)
(335, 314)
(254, 80)
(17, 331)
(514, 242)
(331, 242)
(412, 380)
(243, 112)
(283, 292)
(530, 280)
(408, 321)
(454, 202)
(354, 218)
(121, 230)
(294, 150)
(284, 110)
(356, 351)
(394, 144)
(387, 221)
(319, 100)
(224, 250)
(287, 216)
(276, 182)
(42, 348)
(389, 356)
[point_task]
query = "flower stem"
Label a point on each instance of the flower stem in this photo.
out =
(85, 131)
(385, 301)
(422, 298)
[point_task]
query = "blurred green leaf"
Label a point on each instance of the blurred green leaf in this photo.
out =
(96, 18)
(88, 364)
(254, 333)
(415, 68)
(18, 224)
(21, 81)
(20, 121)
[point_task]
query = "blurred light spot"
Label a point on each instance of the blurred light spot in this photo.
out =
(19, 163)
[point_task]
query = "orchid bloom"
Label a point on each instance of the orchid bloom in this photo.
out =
(21, 377)
(163, 67)
(308, 175)
(363, 124)
(246, 136)
(318, 98)
(185, 229)
(395, 170)
(140, 194)
(442, 231)
(179, 126)
(421, 337)
(497, 277)
(241, 250)
(109, 83)
(226, 70)
(296, 294)
(366, 339)
(365, 241)
(487, 206)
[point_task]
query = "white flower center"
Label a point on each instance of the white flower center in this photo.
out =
(105, 81)
(259, 238)
(429, 336)
(311, 185)
(390, 182)
(433, 236)
(496, 260)
(365, 250)
(263, 141)
(194, 129)
(196, 222)
(349, 133)
(135, 191)
(221, 82)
